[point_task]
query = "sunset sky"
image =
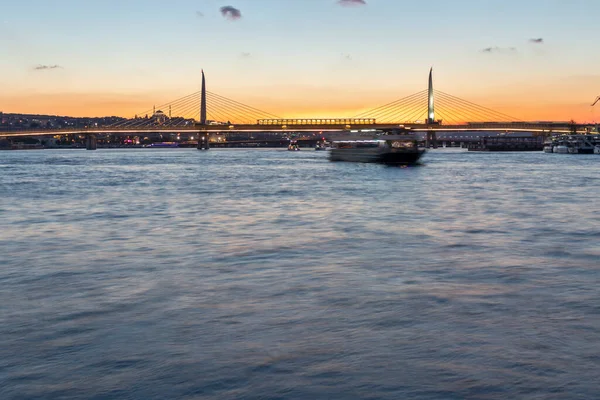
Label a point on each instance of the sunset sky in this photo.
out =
(531, 59)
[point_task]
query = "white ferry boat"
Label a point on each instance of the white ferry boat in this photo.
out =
(385, 149)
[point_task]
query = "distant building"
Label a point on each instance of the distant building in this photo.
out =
(159, 117)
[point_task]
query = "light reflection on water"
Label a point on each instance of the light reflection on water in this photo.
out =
(279, 275)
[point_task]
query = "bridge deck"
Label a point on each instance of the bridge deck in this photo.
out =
(308, 127)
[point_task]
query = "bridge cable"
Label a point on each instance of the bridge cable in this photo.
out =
(394, 111)
(366, 114)
(215, 114)
(401, 110)
(138, 122)
(134, 121)
(234, 107)
(182, 112)
(246, 106)
(493, 112)
(468, 115)
(234, 111)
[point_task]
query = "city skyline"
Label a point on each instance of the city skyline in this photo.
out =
(309, 58)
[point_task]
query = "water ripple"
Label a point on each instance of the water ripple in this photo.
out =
(264, 274)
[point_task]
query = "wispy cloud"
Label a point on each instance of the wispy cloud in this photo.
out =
(199, 14)
(246, 55)
(496, 49)
(231, 13)
(346, 57)
(537, 40)
(44, 67)
(352, 2)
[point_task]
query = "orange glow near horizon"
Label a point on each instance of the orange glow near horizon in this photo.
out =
(98, 105)
(297, 59)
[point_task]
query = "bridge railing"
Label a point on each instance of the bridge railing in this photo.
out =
(99, 129)
(318, 121)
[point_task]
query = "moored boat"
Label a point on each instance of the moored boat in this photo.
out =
(573, 144)
(561, 148)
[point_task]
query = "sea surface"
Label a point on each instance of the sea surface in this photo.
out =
(267, 274)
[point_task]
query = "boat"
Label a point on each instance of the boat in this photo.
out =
(573, 144)
(293, 147)
(562, 147)
(392, 149)
(164, 144)
(320, 147)
(581, 144)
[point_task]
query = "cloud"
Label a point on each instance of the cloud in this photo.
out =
(44, 67)
(346, 57)
(497, 49)
(231, 13)
(537, 40)
(199, 14)
(352, 2)
(246, 55)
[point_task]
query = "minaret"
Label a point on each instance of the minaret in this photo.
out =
(430, 107)
(203, 101)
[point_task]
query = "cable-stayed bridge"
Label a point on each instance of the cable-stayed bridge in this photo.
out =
(206, 112)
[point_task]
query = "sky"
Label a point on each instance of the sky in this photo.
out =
(531, 59)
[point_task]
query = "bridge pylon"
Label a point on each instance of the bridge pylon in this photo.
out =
(203, 101)
(203, 135)
(430, 100)
(91, 142)
(203, 141)
(431, 139)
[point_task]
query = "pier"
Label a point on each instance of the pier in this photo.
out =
(508, 143)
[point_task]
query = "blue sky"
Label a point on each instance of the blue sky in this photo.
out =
(296, 52)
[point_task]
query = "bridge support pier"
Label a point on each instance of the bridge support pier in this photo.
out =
(91, 142)
(431, 140)
(203, 141)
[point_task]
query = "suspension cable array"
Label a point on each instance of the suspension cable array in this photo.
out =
(220, 110)
(406, 109)
(449, 109)
(185, 111)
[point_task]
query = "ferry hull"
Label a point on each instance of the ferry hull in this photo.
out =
(581, 150)
(375, 156)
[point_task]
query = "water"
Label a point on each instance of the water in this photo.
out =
(267, 274)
